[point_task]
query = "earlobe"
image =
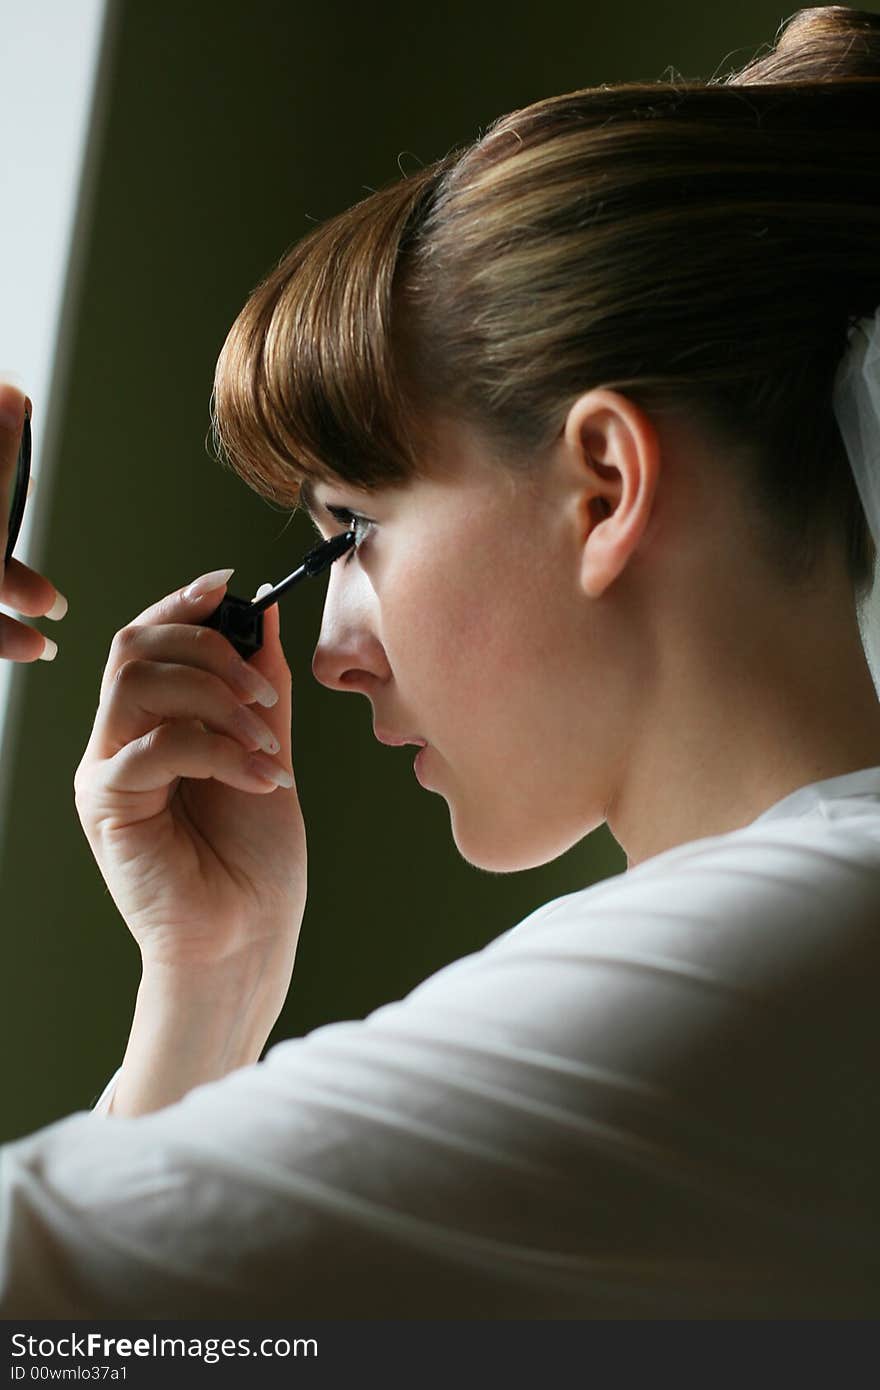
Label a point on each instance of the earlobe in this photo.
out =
(603, 558)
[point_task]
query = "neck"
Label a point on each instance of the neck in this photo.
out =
(795, 704)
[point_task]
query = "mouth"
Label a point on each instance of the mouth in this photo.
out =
(395, 741)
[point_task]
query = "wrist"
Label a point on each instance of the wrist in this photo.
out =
(195, 1025)
(247, 986)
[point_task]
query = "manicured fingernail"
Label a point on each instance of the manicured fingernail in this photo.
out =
(206, 582)
(256, 686)
(49, 651)
(58, 609)
(253, 726)
(263, 589)
(272, 771)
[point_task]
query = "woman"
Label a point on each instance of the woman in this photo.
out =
(572, 387)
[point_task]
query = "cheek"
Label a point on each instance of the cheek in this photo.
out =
(433, 622)
(466, 637)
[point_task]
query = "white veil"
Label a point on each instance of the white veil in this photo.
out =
(857, 409)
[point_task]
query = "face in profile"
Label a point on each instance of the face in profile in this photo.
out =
(461, 618)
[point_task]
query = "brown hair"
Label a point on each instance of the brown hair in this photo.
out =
(698, 246)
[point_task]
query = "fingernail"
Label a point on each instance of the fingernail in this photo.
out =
(273, 772)
(263, 589)
(206, 582)
(256, 686)
(49, 651)
(58, 609)
(31, 481)
(253, 726)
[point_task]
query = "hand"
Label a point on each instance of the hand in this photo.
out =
(205, 859)
(20, 587)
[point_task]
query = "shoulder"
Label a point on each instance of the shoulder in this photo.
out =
(781, 886)
(738, 972)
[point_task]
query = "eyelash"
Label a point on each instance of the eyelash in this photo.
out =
(353, 521)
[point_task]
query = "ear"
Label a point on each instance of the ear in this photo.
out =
(615, 451)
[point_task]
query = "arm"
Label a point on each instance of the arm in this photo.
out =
(644, 1112)
(204, 856)
(187, 1031)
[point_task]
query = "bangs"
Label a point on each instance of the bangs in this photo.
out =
(311, 381)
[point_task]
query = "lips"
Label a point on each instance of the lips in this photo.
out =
(395, 741)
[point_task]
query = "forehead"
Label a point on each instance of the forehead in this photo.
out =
(458, 467)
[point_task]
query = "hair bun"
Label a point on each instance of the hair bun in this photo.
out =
(828, 43)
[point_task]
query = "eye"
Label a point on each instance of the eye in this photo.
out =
(352, 521)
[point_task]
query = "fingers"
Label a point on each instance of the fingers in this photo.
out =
(31, 593)
(21, 587)
(21, 643)
(147, 693)
(184, 749)
(173, 703)
(195, 602)
(12, 404)
(11, 421)
(28, 592)
(200, 647)
(189, 604)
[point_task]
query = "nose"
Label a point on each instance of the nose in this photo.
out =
(349, 654)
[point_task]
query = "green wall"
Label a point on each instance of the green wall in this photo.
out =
(231, 128)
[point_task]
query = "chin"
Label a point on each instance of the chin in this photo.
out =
(499, 849)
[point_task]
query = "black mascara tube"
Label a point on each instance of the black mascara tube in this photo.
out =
(241, 620)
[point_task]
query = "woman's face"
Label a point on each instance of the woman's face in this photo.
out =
(461, 616)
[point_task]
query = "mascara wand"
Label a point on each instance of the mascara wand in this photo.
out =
(241, 620)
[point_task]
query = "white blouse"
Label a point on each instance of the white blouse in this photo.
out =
(652, 1098)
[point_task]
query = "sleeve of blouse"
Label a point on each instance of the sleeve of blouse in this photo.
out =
(653, 1098)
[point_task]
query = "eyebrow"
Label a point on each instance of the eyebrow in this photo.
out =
(312, 507)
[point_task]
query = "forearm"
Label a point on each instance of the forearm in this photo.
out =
(194, 1027)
